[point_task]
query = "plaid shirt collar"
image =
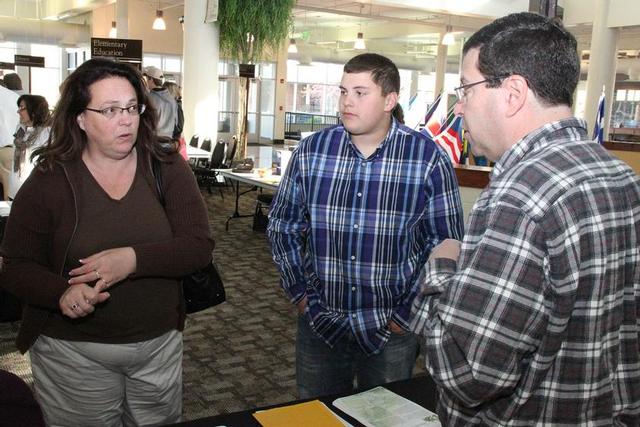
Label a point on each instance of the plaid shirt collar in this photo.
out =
(533, 141)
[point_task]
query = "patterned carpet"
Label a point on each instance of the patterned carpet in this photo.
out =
(240, 354)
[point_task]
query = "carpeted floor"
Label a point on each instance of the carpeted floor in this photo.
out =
(240, 354)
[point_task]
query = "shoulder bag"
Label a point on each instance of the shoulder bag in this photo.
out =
(203, 288)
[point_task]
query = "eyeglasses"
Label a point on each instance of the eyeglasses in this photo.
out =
(21, 109)
(461, 91)
(111, 112)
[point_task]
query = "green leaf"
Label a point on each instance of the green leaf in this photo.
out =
(268, 21)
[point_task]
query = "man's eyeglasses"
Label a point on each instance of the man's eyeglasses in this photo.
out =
(111, 112)
(461, 91)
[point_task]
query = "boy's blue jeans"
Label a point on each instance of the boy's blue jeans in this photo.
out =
(321, 370)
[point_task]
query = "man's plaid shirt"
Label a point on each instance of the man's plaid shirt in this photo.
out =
(352, 234)
(538, 321)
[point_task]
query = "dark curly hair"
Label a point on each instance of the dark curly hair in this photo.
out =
(532, 46)
(67, 140)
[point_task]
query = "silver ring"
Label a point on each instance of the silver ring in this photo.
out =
(97, 273)
(74, 306)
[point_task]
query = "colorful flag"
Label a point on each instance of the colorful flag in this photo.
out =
(436, 117)
(450, 140)
(598, 130)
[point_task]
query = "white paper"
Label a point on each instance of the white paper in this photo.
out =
(380, 407)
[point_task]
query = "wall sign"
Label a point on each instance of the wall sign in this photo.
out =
(126, 50)
(29, 61)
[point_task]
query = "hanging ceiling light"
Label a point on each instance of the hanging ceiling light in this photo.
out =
(293, 48)
(448, 38)
(359, 44)
(159, 23)
(113, 32)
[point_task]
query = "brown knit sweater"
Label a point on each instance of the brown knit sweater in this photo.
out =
(43, 222)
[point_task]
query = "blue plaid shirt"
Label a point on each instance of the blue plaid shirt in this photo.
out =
(353, 234)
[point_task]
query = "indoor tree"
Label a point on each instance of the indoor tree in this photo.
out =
(247, 30)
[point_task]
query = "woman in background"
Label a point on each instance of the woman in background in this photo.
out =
(32, 132)
(98, 261)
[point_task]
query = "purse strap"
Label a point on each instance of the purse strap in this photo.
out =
(156, 169)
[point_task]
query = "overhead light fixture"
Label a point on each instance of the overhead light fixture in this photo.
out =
(113, 32)
(359, 44)
(159, 23)
(448, 39)
(293, 48)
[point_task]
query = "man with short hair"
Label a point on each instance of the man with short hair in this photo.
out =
(533, 318)
(163, 102)
(356, 214)
(13, 82)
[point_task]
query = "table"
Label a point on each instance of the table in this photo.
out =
(270, 182)
(420, 389)
(197, 153)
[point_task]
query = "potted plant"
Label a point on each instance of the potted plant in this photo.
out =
(248, 29)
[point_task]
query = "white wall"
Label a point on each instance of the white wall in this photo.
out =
(141, 16)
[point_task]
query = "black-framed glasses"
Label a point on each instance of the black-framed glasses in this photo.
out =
(111, 112)
(461, 91)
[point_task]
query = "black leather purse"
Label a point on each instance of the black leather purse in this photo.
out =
(203, 288)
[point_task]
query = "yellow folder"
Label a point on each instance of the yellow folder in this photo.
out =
(307, 414)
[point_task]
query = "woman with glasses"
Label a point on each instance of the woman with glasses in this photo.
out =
(32, 132)
(98, 261)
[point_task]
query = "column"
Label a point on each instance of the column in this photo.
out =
(201, 54)
(415, 74)
(441, 67)
(122, 18)
(281, 92)
(602, 67)
(23, 48)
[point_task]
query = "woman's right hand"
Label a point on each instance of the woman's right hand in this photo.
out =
(80, 299)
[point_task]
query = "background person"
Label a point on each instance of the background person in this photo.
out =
(32, 132)
(174, 90)
(98, 261)
(12, 81)
(164, 104)
(533, 320)
(356, 214)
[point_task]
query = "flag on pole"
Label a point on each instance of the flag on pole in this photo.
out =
(464, 156)
(598, 130)
(436, 117)
(450, 140)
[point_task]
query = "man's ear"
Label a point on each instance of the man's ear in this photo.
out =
(516, 93)
(390, 101)
(80, 120)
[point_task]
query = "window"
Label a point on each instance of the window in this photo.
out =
(313, 88)
(261, 103)
(171, 66)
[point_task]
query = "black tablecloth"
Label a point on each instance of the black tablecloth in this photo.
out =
(420, 389)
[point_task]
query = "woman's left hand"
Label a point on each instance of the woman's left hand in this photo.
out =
(106, 268)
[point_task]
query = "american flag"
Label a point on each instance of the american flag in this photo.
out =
(450, 140)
